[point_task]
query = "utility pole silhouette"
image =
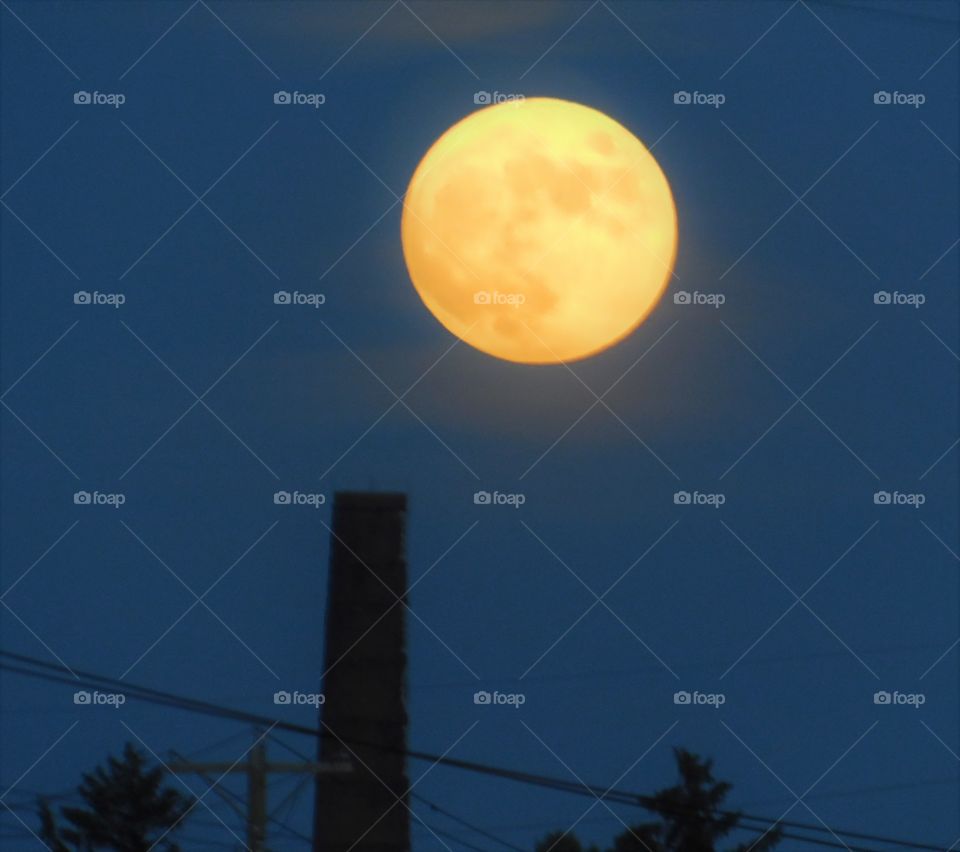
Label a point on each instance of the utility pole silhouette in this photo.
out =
(257, 769)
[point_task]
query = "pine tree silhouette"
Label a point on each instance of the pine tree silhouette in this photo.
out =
(128, 809)
(691, 818)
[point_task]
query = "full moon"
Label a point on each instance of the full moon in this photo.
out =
(539, 231)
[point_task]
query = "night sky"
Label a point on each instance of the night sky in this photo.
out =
(798, 399)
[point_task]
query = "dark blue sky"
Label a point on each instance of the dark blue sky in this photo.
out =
(298, 203)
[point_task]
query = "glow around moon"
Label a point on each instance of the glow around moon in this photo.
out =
(539, 231)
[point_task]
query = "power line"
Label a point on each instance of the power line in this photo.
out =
(155, 696)
(748, 828)
(169, 699)
(428, 803)
(831, 794)
(861, 791)
(432, 806)
(202, 842)
(886, 11)
(441, 833)
(290, 800)
(218, 744)
(465, 824)
(82, 678)
(299, 835)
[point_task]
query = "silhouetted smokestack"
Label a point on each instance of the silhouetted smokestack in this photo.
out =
(364, 680)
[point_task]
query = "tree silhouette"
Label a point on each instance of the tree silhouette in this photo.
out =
(562, 841)
(690, 815)
(128, 809)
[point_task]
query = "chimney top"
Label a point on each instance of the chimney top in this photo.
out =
(389, 500)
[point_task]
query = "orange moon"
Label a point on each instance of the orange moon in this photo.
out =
(539, 231)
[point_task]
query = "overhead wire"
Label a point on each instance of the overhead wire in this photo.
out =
(618, 796)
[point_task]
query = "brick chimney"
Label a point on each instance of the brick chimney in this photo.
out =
(364, 684)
